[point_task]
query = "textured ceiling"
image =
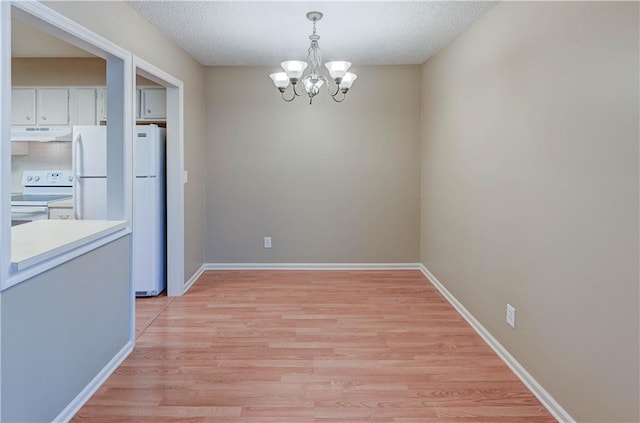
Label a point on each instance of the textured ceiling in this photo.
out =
(266, 32)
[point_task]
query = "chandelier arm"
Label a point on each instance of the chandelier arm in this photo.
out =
(293, 97)
(344, 95)
(332, 94)
(296, 91)
(329, 83)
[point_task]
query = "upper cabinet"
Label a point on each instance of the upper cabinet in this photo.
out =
(40, 106)
(82, 106)
(52, 106)
(46, 106)
(23, 106)
(153, 103)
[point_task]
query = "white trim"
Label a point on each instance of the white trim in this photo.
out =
(529, 381)
(5, 147)
(74, 406)
(50, 263)
(194, 278)
(155, 74)
(310, 266)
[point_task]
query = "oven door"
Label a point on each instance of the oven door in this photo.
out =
(26, 214)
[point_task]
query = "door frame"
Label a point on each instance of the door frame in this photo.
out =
(175, 173)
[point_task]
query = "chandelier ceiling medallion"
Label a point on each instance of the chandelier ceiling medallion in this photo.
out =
(309, 72)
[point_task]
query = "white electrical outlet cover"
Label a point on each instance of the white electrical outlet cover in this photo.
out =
(511, 316)
(267, 242)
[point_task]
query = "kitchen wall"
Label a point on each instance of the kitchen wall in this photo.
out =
(62, 72)
(42, 156)
(58, 71)
(122, 25)
(530, 192)
(328, 182)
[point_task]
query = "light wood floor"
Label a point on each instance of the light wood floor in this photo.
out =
(310, 346)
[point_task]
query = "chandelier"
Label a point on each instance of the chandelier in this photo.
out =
(309, 72)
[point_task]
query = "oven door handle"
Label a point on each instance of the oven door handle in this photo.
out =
(28, 209)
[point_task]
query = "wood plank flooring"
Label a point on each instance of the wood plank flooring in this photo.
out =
(310, 347)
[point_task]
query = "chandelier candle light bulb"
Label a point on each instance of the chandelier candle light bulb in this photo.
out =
(313, 80)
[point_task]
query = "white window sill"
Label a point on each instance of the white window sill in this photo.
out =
(43, 244)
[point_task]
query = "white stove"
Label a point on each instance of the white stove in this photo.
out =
(40, 187)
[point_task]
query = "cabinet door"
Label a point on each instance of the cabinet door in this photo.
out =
(61, 213)
(101, 105)
(82, 106)
(53, 106)
(154, 103)
(23, 106)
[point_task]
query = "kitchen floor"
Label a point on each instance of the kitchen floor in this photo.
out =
(309, 346)
(148, 309)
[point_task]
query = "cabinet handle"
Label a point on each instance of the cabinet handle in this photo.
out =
(63, 216)
(28, 117)
(44, 118)
(148, 111)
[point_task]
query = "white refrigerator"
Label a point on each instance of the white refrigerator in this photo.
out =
(149, 229)
(89, 155)
(90, 197)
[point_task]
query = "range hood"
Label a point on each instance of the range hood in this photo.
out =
(41, 133)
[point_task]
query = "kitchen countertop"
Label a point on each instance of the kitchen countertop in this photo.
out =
(37, 241)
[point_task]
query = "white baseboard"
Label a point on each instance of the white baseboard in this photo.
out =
(194, 278)
(310, 266)
(536, 389)
(74, 406)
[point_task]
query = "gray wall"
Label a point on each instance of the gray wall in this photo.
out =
(122, 25)
(328, 182)
(60, 328)
(530, 192)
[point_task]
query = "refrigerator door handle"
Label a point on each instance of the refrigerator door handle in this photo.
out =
(76, 199)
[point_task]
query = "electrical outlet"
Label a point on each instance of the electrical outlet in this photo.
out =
(511, 316)
(267, 242)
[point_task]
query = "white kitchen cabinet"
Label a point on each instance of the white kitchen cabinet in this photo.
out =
(82, 106)
(52, 106)
(61, 213)
(153, 103)
(39, 106)
(61, 210)
(23, 106)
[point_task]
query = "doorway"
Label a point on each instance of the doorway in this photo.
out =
(175, 176)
